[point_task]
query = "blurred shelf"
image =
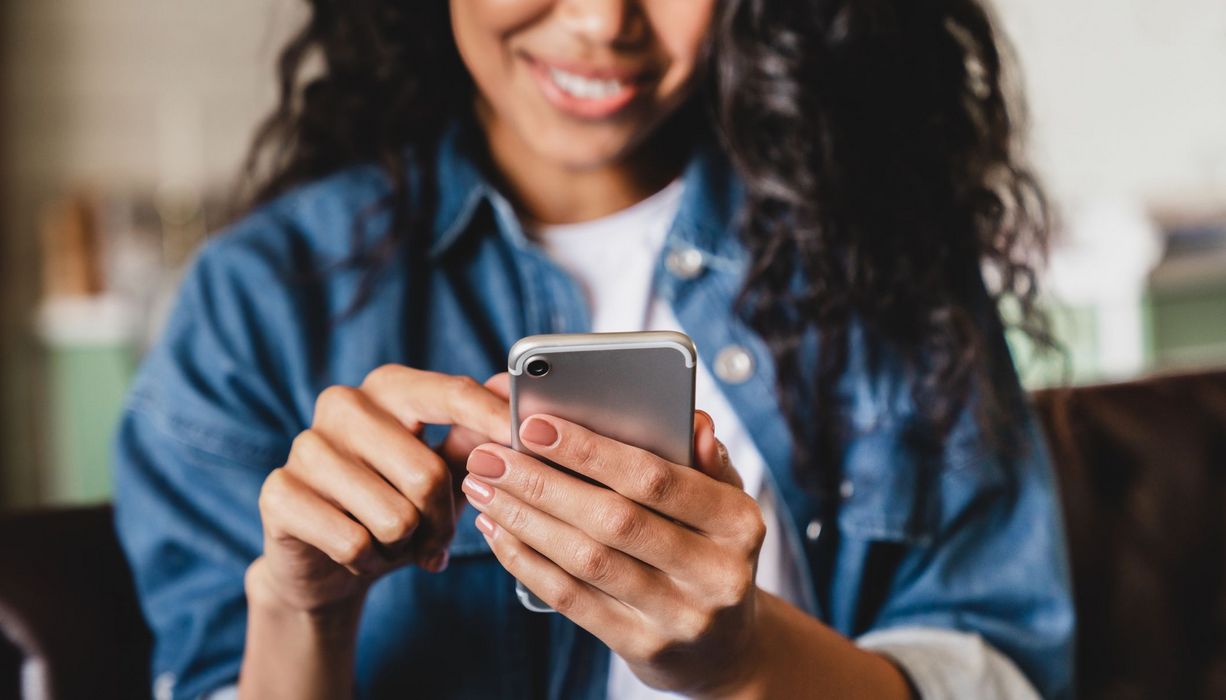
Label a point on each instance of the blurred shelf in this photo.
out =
(1190, 271)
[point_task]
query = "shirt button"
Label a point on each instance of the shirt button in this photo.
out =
(734, 364)
(847, 489)
(814, 530)
(684, 263)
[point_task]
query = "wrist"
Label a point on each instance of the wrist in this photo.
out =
(267, 600)
(295, 651)
(743, 677)
(781, 634)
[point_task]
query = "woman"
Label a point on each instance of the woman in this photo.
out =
(809, 189)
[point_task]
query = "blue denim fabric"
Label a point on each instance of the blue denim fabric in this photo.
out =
(959, 538)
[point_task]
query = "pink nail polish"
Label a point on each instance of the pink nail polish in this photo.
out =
(476, 490)
(539, 432)
(486, 464)
(484, 524)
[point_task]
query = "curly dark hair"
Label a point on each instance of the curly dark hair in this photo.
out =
(875, 139)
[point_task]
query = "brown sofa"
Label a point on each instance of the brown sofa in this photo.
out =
(1143, 473)
(67, 605)
(1142, 468)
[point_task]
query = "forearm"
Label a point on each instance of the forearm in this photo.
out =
(794, 655)
(296, 654)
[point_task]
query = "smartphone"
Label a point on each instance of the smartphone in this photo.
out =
(636, 388)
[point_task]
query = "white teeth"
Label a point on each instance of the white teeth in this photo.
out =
(585, 88)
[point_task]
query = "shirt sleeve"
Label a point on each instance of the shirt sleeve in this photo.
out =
(943, 664)
(206, 420)
(964, 535)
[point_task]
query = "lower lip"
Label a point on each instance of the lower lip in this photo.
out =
(584, 108)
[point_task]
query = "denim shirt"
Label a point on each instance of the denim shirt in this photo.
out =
(960, 537)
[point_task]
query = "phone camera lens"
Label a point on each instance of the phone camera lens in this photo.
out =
(538, 368)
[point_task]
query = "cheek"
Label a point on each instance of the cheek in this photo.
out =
(482, 30)
(681, 28)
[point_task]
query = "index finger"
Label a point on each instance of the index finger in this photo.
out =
(416, 397)
(682, 493)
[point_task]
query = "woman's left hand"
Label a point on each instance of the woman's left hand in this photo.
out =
(660, 565)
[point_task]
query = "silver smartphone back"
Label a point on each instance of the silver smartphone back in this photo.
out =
(637, 388)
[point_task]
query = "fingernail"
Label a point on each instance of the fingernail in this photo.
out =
(438, 562)
(539, 432)
(486, 464)
(710, 420)
(476, 490)
(484, 524)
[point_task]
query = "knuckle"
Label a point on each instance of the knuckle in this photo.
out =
(462, 383)
(516, 518)
(335, 403)
(623, 523)
(656, 483)
(752, 529)
(381, 375)
(398, 524)
(273, 492)
(593, 563)
(306, 447)
(532, 481)
(511, 557)
(563, 596)
(584, 453)
(353, 547)
(434, 467)
(457, 390)
(428, 476)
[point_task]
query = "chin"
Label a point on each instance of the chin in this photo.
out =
(582, 149)
(579, 154)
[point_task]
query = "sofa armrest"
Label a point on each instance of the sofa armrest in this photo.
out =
(68, 607)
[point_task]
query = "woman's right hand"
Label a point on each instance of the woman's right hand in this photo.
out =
(361, 494)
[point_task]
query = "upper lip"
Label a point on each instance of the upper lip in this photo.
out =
(622, 75)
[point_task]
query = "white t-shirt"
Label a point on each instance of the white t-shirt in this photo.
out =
(613, 260)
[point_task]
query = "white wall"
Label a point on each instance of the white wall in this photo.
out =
(114, 95)
(1128, 96)
(105, 91)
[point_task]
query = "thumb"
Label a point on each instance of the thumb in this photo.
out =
(710, 455)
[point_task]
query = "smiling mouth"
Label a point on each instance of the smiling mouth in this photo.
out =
(576, 85)
(586, 93)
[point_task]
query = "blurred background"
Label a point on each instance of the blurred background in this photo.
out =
(123, 125)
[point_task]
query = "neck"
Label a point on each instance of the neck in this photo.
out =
(547, 192)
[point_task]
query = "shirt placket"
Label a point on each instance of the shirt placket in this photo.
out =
(553, 302)
(702, 286)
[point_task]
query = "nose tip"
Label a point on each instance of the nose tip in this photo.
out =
(604, 21)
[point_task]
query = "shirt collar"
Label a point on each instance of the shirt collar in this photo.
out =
(713, 196)
(461, 187)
